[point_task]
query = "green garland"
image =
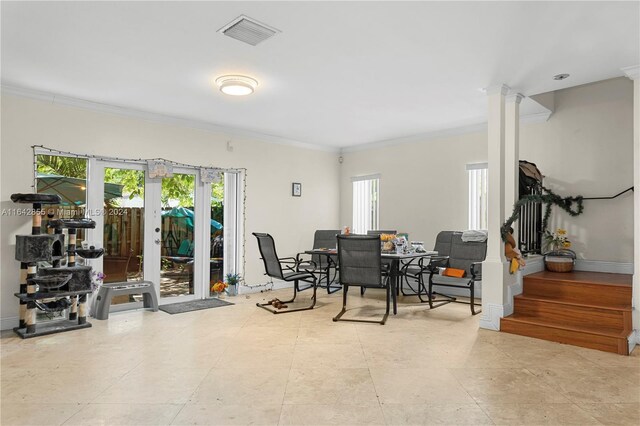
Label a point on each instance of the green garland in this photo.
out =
(549, 198)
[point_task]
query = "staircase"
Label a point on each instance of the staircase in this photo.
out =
(588, 309)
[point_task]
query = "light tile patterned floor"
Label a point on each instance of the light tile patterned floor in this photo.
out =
(243, 365)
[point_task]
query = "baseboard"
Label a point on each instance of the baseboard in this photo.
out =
(634, 340)
(535, 263)
(9, 322)
(490, 317)
(603, 266)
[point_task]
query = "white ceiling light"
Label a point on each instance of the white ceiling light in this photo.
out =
(236, 85)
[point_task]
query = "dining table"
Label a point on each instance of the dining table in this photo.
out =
(395, 258)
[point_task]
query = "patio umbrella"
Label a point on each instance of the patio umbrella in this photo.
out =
(181, 212)
(73, 190)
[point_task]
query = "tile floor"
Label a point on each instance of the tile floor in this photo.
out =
(243, 365)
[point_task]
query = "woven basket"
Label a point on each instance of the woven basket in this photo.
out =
(560, 260)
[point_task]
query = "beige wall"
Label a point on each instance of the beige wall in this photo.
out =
(423, 186)
(271, 168)
(584, 148)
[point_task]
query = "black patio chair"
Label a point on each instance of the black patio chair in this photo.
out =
(360, 266)
(467, 256)
(325, 267)
(273, 268)
(417, 270)
(386, 264)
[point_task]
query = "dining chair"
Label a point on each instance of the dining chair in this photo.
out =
(417, 270)
(386, 264)
(273, 268)
(453, 252)
(361, 266)
(467, 256)
(325, 267)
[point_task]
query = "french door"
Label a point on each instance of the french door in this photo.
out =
(182, 233)
(177, 229)
(153, 231)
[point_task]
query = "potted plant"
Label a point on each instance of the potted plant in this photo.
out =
(232, 280)
(560, 258)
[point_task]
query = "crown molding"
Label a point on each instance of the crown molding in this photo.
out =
(539, 117)
(422, 137)
(53, 98)
(502, 89)
(472, 127)
(632, 72)
(476, 125)
(514, 98)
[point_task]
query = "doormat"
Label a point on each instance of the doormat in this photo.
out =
(193, 305)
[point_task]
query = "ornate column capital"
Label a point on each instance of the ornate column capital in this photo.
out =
(502, 89)
(516, 97)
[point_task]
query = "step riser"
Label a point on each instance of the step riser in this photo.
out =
(575, 316)
(585, 340)
(606, 296)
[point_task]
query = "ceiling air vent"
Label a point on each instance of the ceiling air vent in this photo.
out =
(248, 30)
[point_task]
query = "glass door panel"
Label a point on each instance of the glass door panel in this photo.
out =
(123, 225)
(177, 247)
(216, 235)
(67, 178)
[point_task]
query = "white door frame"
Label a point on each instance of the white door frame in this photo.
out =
(200, 242)
(233, 232)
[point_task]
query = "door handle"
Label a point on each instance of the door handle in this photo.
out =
(157, 241)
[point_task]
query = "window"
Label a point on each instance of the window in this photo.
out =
(477, 195)
(366, 192)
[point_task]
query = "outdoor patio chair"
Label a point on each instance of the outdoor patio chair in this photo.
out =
(325, 267)
(273, 268)
(467, 256)
(183, 257)
(416, 270)
(361, 266)
(386, 264)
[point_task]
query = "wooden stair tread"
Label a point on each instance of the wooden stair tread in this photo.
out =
(590, 329)
(585, 277)
(572, 303)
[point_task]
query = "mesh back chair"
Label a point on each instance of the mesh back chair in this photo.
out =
(273, 269)
(416, 271)
(386, 264)
(360, 266)
(467, 256)
(324, 265)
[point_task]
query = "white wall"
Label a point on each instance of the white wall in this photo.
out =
(584, 148)
(271, 168)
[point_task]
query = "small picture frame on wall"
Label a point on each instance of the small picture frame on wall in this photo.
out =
(296, 189)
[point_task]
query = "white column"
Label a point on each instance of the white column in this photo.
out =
(634, 74)
(512, 153)
(511, 187)
(495, 267)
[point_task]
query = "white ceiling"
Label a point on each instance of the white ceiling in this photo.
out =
(339, 74)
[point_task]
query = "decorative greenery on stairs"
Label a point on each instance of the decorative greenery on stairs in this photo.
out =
(548, 197)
